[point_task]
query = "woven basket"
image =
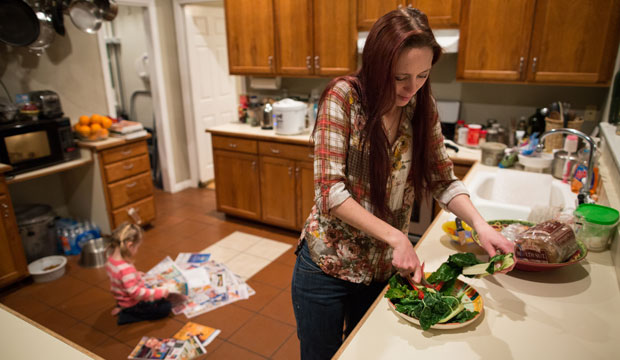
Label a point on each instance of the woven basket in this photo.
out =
(556, 141)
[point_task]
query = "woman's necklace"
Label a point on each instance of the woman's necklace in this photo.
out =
(395, 125)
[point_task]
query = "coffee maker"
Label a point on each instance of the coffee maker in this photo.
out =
(266, 119)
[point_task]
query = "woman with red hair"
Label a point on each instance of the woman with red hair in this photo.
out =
(377, 146)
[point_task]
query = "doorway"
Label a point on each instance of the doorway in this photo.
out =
(211, 94)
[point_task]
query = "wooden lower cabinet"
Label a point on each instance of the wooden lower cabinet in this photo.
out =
(13, 265)
(268, 181)
(237, 183)
(304, 172)
(126, 176)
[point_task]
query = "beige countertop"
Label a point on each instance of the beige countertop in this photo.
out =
(20, 338)
(567, 313)
(110, 142)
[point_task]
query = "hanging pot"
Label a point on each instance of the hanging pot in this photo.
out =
(85, 15)
(19, 25)
(109, 9)
(46, 33)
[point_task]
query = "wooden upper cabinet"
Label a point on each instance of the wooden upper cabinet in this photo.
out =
(494, 39)
(574, 41)
(335, 37)
(440, 13)
(250, 35)
(294, 36)
(369, 11)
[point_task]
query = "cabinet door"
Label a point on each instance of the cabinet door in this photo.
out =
(304, 171)
(249, 31)
(369, 11)
(237, 183)
(494, 40)
(294, 36)
(277, 181)
(12, 258)
(441, 14)
(335, 37)
(574, 41)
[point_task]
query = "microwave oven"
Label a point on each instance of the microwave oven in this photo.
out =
(29, 144)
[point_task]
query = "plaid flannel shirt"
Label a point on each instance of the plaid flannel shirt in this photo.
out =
(341, 170)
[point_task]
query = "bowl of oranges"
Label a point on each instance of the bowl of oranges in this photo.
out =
(93, 128)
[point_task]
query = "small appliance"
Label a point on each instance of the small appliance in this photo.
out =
(289, 116)
(47, 102)
(29, 144)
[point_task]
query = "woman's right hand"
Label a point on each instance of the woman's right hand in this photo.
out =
(405, 260)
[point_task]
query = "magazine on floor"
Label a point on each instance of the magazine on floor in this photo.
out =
(167, 349)
(204, 334)
(207, 284)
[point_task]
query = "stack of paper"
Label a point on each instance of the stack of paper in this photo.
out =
(169, 349)
(127, 129)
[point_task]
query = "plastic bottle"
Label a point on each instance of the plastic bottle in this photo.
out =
(570, 146)
(462, 135)
(581, 172)
(459, 124)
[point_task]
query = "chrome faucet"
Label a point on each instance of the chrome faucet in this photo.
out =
(584, 192)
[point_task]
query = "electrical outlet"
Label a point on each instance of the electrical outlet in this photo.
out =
(591, 113)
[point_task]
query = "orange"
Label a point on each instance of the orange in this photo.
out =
(95, 128)
(84, 120)
(96, 119)
(84, 130)
(106, 122)
(103, 133)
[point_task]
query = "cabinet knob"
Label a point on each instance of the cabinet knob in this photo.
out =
(126, 152)
(128, 167)
(311, 156)
(309, 62)
(232, 145)
(316, 62)
(253, 165)
(521, 62)
(534, 62)
(297, 172)
(270, 61)
(5, 206)
(290, 171)
(130, 185)
(275, 151)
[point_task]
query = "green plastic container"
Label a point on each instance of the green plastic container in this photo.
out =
(596, 225)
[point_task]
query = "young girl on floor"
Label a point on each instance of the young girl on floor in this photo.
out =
(135, 302)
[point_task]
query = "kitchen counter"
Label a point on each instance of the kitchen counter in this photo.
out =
(22, 338)
(568, 313)
(465, 155)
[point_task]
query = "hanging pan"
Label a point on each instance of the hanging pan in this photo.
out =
(85, 15)
(19, 25)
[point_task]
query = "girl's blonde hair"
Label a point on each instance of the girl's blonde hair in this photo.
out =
(123, 236)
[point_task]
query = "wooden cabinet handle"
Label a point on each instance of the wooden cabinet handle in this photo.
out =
(311, 156)
(275, 151)
(534, 61)
(521, 61)
(309, 62)
(290, 171)
(232, 145)
(128, 167)
(253, 165)
(270, 61)
(126, 152)
(130, 185)
(296, 172)
(316, 62)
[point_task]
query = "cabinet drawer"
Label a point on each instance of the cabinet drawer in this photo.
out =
(145, 209)
(294, 152)
(234, 144)
(130, 190)
(123, 152)
(129, 167)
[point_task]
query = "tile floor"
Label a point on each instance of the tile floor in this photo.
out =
(77, 306)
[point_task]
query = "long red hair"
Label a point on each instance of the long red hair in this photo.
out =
(375, 85)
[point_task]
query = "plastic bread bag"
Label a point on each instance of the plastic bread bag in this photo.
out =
(548, 242)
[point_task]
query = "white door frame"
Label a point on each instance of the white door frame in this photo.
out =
(186, 90)
(160, 103)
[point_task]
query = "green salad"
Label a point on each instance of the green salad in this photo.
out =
(439, 304)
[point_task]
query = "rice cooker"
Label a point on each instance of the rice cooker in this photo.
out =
(289, 117)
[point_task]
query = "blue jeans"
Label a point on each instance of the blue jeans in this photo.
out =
(324, 305)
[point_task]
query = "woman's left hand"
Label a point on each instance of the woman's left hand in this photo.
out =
(493, 242)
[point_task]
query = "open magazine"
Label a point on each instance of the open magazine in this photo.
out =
(207, 284)
(168, 349)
